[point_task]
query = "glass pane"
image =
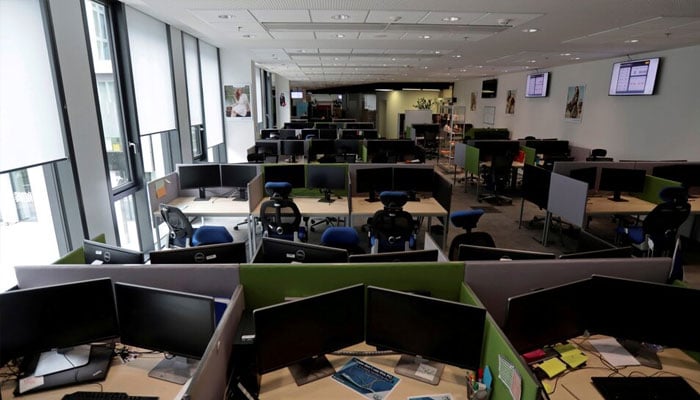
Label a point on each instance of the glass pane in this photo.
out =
(125, 210)
(26, 223)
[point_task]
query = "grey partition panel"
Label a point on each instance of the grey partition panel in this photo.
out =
(211, 376)
(162, 190)
(496, 281)
(460, 154)
(578, 153)
(567, 198)
(218, 280)
(256, 192)
(429, 244)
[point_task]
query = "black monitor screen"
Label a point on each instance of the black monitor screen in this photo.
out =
(548, 316)
(55, 317)
(309, 133)
(286, 134)
(237, 175)
(587, 175)
(347, 146)
(274, 250)
(206, 254)
(370, 134)
(468, 252)
(297, 330)
(414, 179)
(174, 322)
(294, 174)
(489, 88)
(549, 147)
(269, 133)
(349, 134)
(324, 176)
(395, 256)
(322, 146)
(620, 180)
(292, 147)
(267, 146)
(535, 186)
(328, 133)
(101, 253)
(688, 174)
(374, 179)
(199, 176)
(436, 329)
(489, 148)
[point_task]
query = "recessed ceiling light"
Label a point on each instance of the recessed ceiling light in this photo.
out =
(340, 17)
(425, 67)
(565, 54)
(532, 61)
(530, 30)
(425, 36)
(437, 52)
(248, 36)
(575, 58)
(226, 16)
(393, 58)
(339, 35)
(451, 19)
(632, 41)
(457, 56)
(394, 18)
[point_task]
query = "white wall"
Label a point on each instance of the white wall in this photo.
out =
(663, 126)
(236, 68)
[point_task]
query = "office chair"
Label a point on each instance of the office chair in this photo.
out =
(659, 230)
(497, 177)
(182, 234)
(467, 220)
(392, 228)
(598, 155)
(342, 237)
(280, 216)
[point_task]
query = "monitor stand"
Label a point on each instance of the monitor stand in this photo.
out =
(372, 197)
(311, 369)
(175, 369)
(242, 195)
(420, 369)
(326, 196)
(617, 196)
(62, 359)
(202, 195)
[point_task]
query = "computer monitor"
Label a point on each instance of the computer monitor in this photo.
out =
(292, 173)
(349, 134)
(412, 180)
(395, 256)
(587, 175)
(177, 323)
(347, 146)
(102, 253)
(269, 133)
(309, 133)
(326, 178)
(615, 252)
(370, 134)
(373, 181)
(199, 176)
(468, 252)
(237, 176)
(359, 125)
(549, 147)
(273, 250)
(426, 327)
(688, 174)
(223, 253)
(321, 146)
(620, 180)
(491, 134)
(267, 146)
(328, 133)
(56, 324)
(288, 134)
(535, 186)
(298, 333)
(292, 148)
(548, 316)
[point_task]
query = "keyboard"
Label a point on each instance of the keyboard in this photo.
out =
(105, 396)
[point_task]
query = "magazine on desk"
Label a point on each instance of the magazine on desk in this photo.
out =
(365, 379)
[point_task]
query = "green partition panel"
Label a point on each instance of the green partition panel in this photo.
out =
(267, 284)
(652, 187)
(497, 346)
(471, 163)
(77, 256)
(363, 151)
(529, 155)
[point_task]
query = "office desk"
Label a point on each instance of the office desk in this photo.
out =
(131, 378)
(214, 207)
(600, 205)
(428, 207)
(280, 384)
(576, 384)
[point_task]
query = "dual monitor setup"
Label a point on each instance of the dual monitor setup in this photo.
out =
(409, 180)
(616, 180)
(468, 252)
(225, 253)
(210, 175)
(426, 330)
(325, 177)
(53, 331)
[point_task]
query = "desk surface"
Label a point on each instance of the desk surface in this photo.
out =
(312, 207)
(602, 205)
(280, 384)
(214, 207)
(576, 384)
(424, 208)
(131, 378)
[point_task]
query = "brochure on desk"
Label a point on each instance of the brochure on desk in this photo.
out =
(365, 379)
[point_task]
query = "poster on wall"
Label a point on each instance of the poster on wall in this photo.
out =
(574, 103)
(237, 101)
(510, 102)
(283, 100)
(472, 102)
(489, 115)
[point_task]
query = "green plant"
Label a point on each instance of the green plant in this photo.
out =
(424, 104)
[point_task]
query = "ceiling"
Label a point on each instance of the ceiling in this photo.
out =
(328, 43)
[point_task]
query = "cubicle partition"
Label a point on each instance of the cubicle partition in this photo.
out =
(77, 256)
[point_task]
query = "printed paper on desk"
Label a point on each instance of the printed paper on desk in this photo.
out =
(613, 352)
(444, 396)
(365, 379)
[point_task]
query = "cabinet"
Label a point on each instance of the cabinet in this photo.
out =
(452, 125)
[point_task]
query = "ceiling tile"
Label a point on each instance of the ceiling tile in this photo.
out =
(281, 15)
(293, 35)
(336, 35)
(400, 16)
(381, 35)
(354, 16)
(213, 15)
(435, 17)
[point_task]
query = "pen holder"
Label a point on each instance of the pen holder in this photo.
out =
(478, 391)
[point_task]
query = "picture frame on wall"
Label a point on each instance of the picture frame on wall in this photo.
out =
(489, 115)
(573, 111)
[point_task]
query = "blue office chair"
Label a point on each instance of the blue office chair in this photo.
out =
(342, 237)
(467, 220)
(182, 234)
(659, 230)
(392, 228)
(280, 216)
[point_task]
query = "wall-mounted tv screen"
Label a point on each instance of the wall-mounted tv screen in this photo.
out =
(537, 85)
(634, 78)
(489, 88)
(297, 95)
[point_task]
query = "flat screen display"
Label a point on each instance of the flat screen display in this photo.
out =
(207, 254)
(537, 85)
(297, 95)
(489, 88)
(101, 253)
(634, 77)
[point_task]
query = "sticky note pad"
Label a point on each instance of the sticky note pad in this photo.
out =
(574, 358)
(548, 388)
(564, 348)
(553, 367)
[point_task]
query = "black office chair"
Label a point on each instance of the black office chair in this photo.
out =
(598, 155)
(280, 216)
(497, 177)
(659, 230)
(392, 228)
(467, 220)
(182, 234)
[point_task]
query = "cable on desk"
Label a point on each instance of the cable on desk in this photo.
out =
(362, 353)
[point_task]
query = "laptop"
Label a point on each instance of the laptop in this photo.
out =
(644, 388)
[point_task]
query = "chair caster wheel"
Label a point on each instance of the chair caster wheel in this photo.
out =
(235, 228)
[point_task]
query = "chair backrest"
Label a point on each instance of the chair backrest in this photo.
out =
(342, 237)
(662, 223)
(280, 218)
(392, 230)
(179, 225)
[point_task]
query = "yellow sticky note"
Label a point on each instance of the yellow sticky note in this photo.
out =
(564, 348)
(553, 367)
(574, 358)
(547, 387)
